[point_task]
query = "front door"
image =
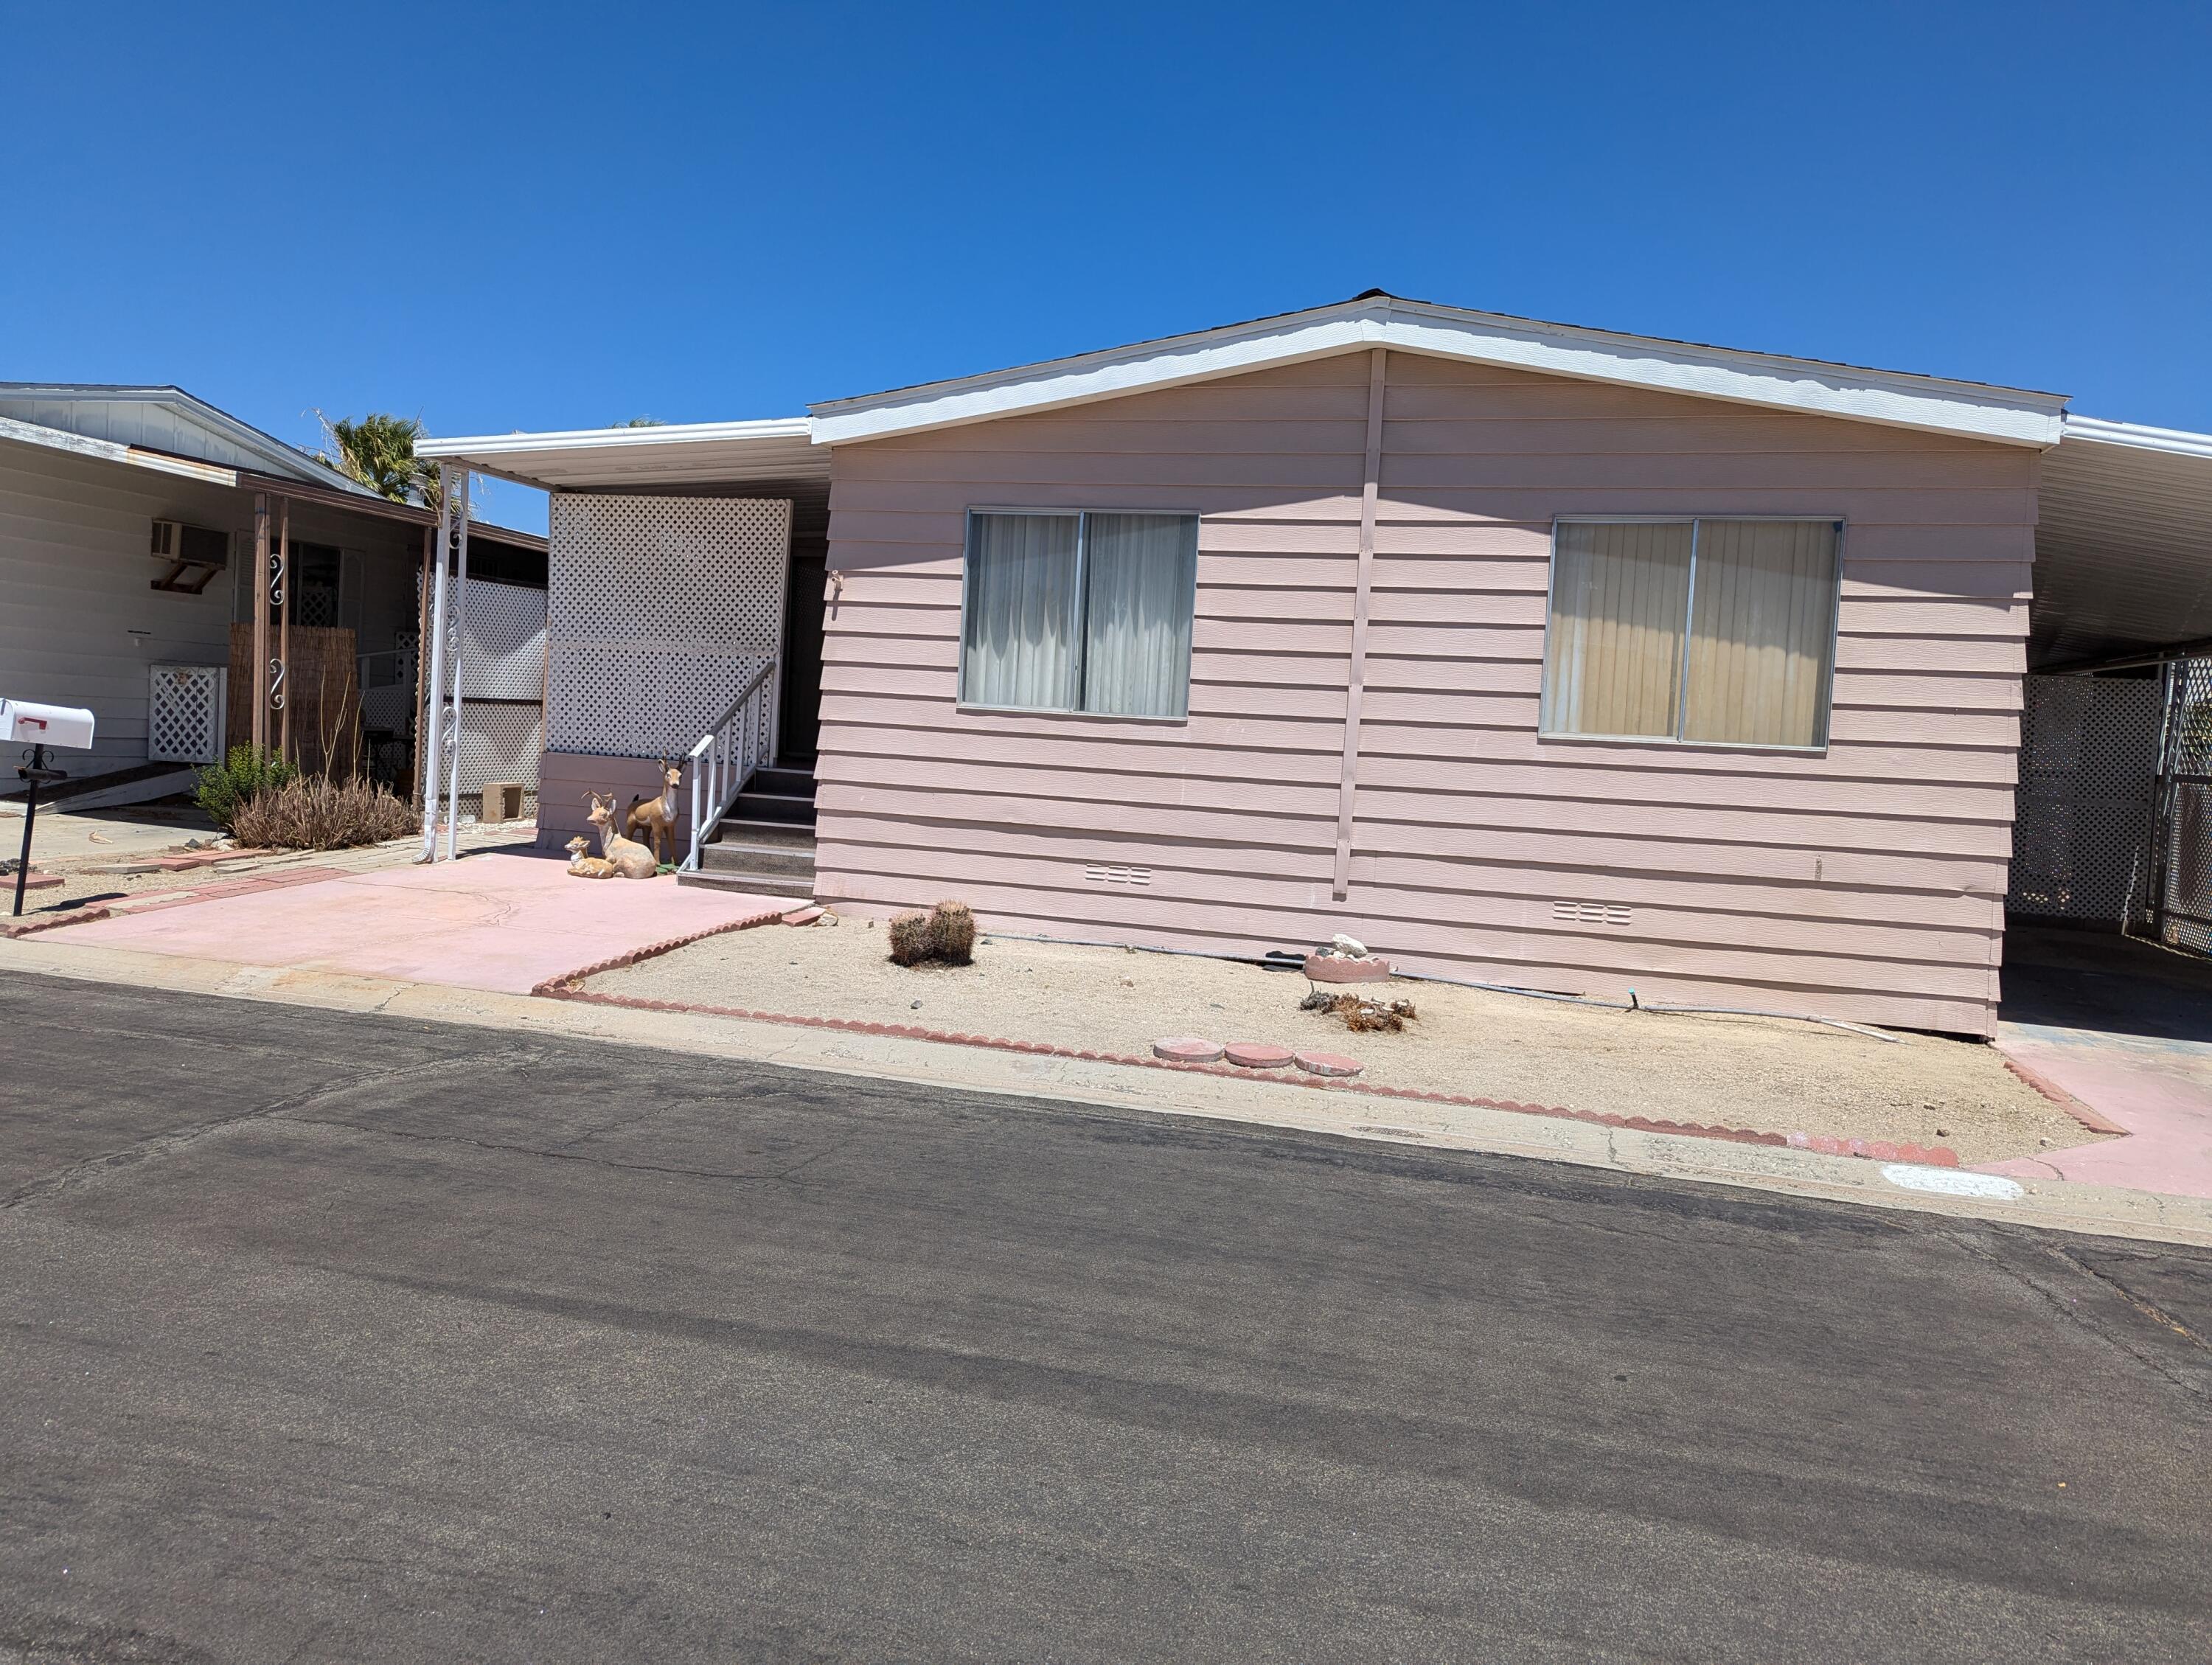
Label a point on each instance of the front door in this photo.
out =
(801, 693)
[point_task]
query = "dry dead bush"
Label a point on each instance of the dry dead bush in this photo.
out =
(315, 812)
(1362, 1012)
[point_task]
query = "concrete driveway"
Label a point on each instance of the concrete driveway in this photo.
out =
(500, 918)
(2127, 1029)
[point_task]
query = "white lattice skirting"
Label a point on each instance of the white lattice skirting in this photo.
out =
(660, 608)
(185, 707)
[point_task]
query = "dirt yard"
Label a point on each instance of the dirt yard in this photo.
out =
(1753, 1073)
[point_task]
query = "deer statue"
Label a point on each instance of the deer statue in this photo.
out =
(584, 865)
(630, 858)
(657, 816)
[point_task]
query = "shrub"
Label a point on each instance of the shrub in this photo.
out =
(909, 934)
(318, 813)
(243, 775)
(953, 933)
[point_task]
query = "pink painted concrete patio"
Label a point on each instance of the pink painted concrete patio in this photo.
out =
(498, 919)
(2126, 1029)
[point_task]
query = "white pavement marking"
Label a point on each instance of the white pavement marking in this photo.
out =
(1951, 1182)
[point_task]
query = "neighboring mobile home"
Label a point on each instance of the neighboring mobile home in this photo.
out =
(127, 529)
(1548, 656)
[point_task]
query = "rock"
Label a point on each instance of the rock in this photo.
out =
(1351, 946)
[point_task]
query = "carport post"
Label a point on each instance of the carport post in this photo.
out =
(460, 635)
(434, 726)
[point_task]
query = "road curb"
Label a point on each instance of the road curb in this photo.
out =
(564, 988)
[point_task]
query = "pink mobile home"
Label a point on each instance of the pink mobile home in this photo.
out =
(1542, 655)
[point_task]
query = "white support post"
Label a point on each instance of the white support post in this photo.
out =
(431, 730)
(460, 635)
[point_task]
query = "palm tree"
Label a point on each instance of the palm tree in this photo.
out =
(379, 451)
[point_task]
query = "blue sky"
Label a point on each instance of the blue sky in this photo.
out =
(548, 215)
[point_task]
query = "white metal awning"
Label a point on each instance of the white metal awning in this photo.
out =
(777, 452)
(2123, 544)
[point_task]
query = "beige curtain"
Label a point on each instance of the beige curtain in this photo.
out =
(1620, 593)
(1761, 625)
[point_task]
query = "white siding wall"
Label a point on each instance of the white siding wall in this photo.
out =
(79, 624)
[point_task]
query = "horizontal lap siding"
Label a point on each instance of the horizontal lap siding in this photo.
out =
(1864, 883)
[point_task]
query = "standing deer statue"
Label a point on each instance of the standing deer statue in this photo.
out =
(631, 858)
(657, 816)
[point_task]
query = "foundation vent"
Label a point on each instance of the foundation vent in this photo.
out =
(1117, 875)
(1590, 912)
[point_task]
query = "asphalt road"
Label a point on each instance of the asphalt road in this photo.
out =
(345, 1338)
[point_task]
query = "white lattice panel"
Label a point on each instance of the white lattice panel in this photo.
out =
(2082, 825)
(503, 642)
(184, 713)
(659, 609)
(501, 740)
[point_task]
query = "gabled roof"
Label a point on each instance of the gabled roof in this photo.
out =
(1897, 398)
(166, 419)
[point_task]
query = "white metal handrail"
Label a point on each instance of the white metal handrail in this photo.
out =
(727, 755)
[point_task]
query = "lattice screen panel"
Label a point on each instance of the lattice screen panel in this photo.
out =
(501, 740)
(503, 642)
(660, 609)
(184, 713)
(2081, 828)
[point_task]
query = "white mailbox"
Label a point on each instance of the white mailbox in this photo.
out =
(27, 724)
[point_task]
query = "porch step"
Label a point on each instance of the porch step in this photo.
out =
(758, 884)
(737, 830)
(786, 857)
(783, 782)
(789, 808)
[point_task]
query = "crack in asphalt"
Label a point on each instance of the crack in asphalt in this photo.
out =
(2073, 1311)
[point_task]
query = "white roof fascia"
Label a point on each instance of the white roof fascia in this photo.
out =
(615, 439)
(524, 458)
(2001, 415)
(2178, 442)
(282, 457)
(56, 439)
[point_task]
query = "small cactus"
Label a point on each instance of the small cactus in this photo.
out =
(910, 939)
(953, 933)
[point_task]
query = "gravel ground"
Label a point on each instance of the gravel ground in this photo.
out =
(1733, 1072)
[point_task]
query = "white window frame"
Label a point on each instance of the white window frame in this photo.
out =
(1082, 519)
(1545, 732)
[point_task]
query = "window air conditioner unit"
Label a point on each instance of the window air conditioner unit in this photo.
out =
(195, 554)
(196, 546)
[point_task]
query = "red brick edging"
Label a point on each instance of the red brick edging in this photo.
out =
(564, 987)
(2065, 1101)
